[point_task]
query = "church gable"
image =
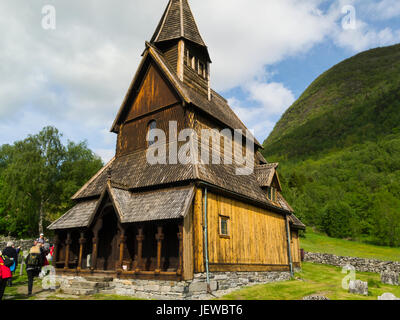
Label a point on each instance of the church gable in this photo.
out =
(154, 93)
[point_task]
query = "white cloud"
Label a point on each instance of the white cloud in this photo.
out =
(105, 154)
(244, 36)
(365, 35)
(268, 100)
(382, 10)
(76, 76)
(361, 38)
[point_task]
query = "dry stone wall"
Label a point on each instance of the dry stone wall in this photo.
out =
(24, 244)
(360, 264)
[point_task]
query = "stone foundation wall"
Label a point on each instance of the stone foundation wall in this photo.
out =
(360, 264)
(24, 244)
(196, 289)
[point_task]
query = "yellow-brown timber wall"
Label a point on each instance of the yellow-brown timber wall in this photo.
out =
(257, 237)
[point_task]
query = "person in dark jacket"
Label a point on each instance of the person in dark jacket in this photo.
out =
(5, 274)
(34, 262)
(11, 252)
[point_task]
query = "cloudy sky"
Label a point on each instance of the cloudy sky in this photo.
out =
(265, 53)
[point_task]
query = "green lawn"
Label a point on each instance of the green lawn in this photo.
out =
(315, 242)
(314, 279)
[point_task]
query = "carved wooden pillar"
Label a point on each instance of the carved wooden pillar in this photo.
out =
(122, 242)
(180, 261)
(140, 238)
(68, 243)
(82, 242)
(55, 250)
(159, 238)
(95, 242)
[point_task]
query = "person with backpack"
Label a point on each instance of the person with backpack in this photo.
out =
(5, 273)
(34, 262)
(11, 253)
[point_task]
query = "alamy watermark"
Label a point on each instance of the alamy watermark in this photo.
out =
(350, 272)
(49, 21)
(349, 21)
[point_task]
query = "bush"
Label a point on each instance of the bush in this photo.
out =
(339, 220)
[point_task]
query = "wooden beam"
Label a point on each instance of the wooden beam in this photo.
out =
(140, 237)
(82, 242)
(55, 251)
(68, 243)
(198, 246)
(226, 267)
(180, 261)
(122, 242)
(159, 238)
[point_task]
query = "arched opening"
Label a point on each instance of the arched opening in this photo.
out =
(108, 254)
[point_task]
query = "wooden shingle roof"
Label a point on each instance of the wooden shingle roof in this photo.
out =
(265, 174)
(177, 22)
(77, 217)
(133, 172)
(167, 204)
(295, 223)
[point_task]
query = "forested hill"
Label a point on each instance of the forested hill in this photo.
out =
(339, 149)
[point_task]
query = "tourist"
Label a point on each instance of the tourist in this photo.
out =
(41, 239)
(11, 252)
(5, 274)
(34, 262)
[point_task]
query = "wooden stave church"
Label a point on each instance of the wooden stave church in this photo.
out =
(142, 221)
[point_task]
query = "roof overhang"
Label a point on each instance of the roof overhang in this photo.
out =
(130, 207)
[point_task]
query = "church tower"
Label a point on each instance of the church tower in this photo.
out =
(179, 39)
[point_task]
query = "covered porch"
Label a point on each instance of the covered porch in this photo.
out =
(126, 235)
(143, 251)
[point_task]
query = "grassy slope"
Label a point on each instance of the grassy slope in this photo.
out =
(314, 279)
(316, 242)
(339, 94)
(340, 142)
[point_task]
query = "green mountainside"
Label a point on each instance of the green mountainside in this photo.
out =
(339, 149)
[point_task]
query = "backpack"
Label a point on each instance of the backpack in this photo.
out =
(8, 262)
(34, 260)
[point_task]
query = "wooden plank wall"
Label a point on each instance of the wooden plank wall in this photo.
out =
(257, 240)
(198, 237)
(132, 136)
(153, 94)
(188, 258)
(295, 247)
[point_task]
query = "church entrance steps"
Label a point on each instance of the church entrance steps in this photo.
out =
(89, 285)
(99, 279)
(79, 292)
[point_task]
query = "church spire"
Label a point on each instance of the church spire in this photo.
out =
(178, 39)
(178, 22)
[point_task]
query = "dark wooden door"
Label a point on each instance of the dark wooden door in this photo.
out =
(108, 242)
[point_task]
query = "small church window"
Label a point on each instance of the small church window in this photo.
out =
(271, 194)
(224, 226)
(187, 58)
(151, 126)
